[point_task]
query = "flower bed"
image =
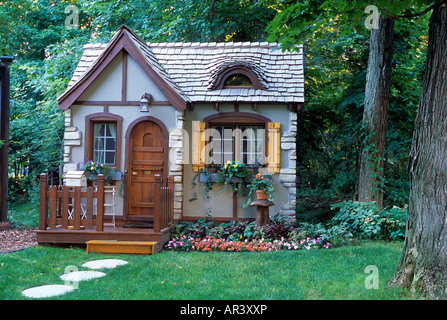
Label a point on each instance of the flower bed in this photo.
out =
(185, 243)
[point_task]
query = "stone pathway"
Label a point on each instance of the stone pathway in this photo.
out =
(72, 279)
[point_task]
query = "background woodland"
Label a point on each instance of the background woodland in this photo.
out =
(336, 52)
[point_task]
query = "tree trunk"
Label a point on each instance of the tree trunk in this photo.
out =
(423, 264)
(378, 81)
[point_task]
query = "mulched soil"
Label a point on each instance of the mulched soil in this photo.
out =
(16, 239)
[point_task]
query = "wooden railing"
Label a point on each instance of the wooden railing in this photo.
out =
(164, 193)
(61, 206)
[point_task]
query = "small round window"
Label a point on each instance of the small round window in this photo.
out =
(238, 81)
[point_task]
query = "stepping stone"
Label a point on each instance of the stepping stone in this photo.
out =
(82, 275)
(104, 264)
(47, 291)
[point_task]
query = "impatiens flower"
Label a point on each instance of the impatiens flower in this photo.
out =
(184, 243)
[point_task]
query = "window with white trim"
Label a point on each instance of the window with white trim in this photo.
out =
(243, 143)
(104, 143)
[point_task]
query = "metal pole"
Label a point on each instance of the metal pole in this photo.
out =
(4, 137)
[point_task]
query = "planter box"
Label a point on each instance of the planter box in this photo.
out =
(214, 178)
(116, 177)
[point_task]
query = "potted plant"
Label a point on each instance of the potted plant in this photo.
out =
(92, 169)
(264, 188)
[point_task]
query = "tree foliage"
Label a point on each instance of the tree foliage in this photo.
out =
(46, 54)
(336, 50)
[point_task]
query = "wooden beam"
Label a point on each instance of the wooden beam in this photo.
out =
(124, 77)
(118, 103)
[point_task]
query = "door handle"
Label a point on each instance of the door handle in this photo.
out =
(134, 173)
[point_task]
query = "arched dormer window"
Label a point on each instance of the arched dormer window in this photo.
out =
(238, 77)
(238, 81)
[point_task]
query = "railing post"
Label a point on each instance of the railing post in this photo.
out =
(77, 208)
(43, 207)
(53, 207)
(89, 208)
(100, 203)
(64, 214)
(157, 202)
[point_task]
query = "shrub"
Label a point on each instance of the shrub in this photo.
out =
(305, 230)
(233, 230)
(361, 218)
(337, 235)
(277, 230)
(198, 229)
(394, 222)
(365, 221)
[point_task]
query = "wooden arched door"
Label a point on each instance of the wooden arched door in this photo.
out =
(146, 157)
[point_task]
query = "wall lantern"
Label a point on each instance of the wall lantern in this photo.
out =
(146, 100)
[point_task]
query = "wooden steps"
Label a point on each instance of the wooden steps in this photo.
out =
(114, 246)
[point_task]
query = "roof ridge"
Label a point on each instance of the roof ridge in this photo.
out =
(213, 44)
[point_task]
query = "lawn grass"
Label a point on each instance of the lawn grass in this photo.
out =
(337, 273)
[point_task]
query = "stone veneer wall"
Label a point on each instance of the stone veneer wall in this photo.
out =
(176, 162)
(287, 176)
(72, 137)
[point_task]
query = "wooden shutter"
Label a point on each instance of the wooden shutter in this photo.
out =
(274, 146)
(198, 145)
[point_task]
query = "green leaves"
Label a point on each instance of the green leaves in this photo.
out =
(366, 221)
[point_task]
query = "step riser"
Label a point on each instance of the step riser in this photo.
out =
(129, 247)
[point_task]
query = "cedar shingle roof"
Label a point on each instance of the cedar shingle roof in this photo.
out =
(191, 69)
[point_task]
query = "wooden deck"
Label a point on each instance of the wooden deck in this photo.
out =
(62, 236)
(67, 215)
